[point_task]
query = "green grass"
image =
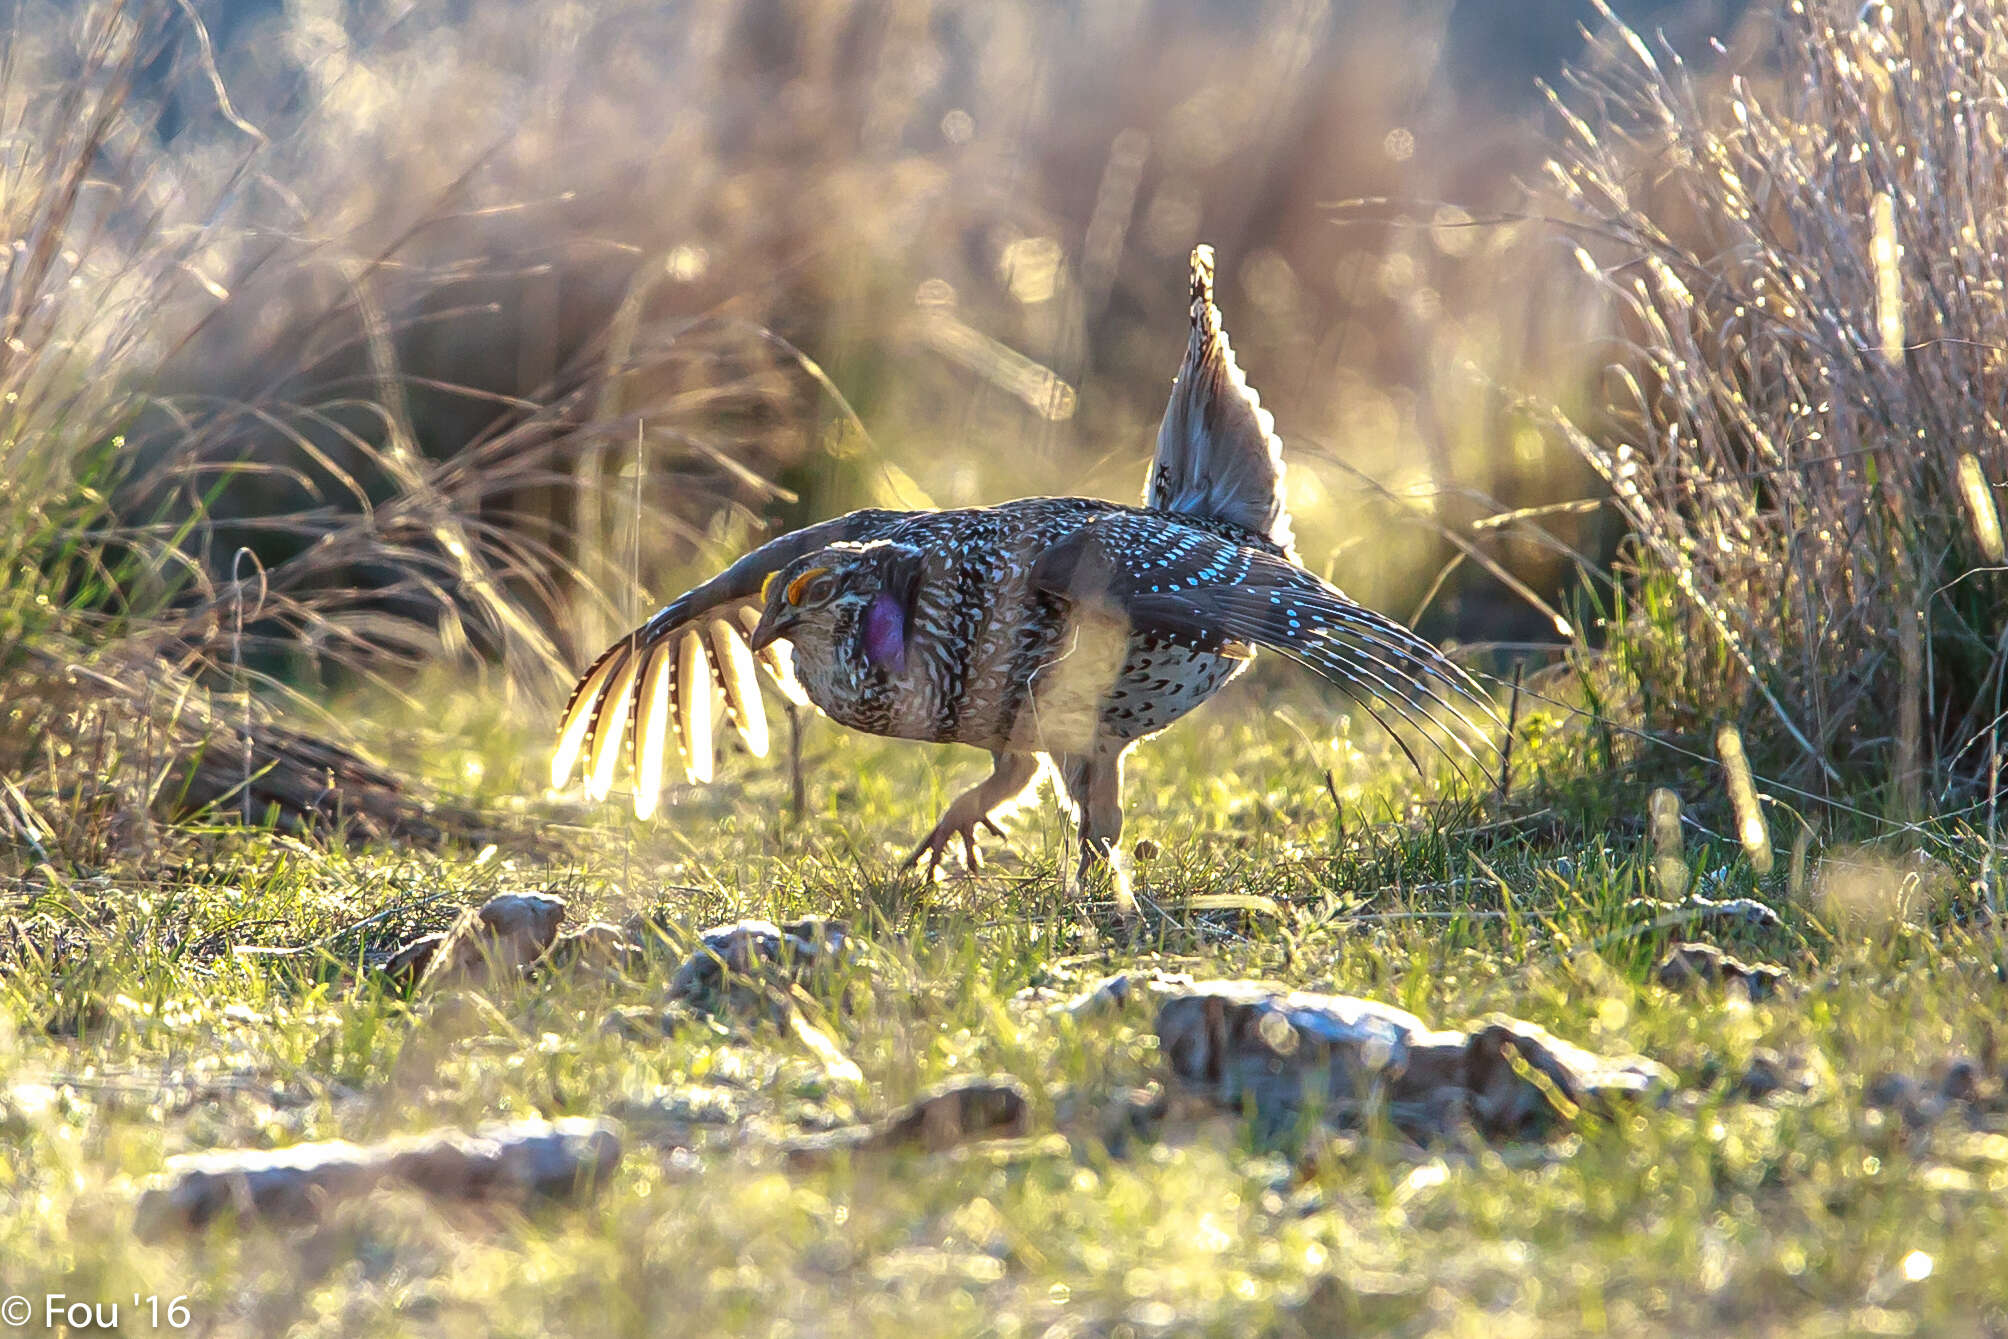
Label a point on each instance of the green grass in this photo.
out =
(1708, 1215)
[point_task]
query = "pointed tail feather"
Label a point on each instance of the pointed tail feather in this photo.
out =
(1369, 656)
(609, 719)
(582, 709)
(1178, 581)
(1217, 451)
(655, 704)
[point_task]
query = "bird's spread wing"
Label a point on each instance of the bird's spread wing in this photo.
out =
(1193, 586)
(1217, 450)
(666, 678)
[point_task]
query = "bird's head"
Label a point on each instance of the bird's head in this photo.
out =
(847, 606)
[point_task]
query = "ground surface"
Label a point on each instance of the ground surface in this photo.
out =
(131, 1030)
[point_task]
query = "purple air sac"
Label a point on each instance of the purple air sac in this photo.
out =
(885, 633)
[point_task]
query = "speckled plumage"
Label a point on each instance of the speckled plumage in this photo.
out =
(990, 630)
(1058, 627)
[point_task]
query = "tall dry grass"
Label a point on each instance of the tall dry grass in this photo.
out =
(1806, 406)
(184, 572)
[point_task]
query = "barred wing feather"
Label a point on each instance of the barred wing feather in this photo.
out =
(667, 679)
(1190, 585)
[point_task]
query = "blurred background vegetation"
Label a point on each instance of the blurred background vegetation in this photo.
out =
(868, 252)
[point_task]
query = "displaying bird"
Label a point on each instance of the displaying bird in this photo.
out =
(1062, 629)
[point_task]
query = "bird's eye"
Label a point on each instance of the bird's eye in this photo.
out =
(811, 587)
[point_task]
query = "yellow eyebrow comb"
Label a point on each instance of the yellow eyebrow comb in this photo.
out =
(801, 583)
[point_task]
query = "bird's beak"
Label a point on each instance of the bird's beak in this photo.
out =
(775, 622)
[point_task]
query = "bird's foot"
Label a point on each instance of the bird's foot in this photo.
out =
(963, 819)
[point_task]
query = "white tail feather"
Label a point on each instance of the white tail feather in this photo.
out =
(736, 677)
(572, 737)
(652, 732)
(608, 731)
(693, 707)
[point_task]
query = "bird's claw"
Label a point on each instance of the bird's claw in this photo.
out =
(935, 845)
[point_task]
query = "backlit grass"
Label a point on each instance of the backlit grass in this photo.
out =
(1797, 1215)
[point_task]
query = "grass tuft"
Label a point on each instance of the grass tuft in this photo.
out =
(1807, 253)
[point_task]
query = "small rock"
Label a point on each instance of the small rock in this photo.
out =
(1237, 1042)
(25, 1105)
(1744, 911)
(1888, 1090)
(1916, 1105)
(1961, 1081)
(408, 964)
(635, 1022)
(670, 1113)
(503, 936)
(1692, 966)
(77, 1013)
(1136, 1114)
(1113, 994)
(526, 1159)
(1726, 913)
(754, 952)
(1509, 1103)
(1243, 1044)
(1768, 1073)
(1146, 849)
(1961, 1084)
(595, 944)
(990, 1108)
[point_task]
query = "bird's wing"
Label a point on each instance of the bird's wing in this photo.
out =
(665, 677)
(1193, 586)
(1217, 451)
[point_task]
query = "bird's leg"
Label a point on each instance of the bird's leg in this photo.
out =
(1094, 785)
(1010, 774)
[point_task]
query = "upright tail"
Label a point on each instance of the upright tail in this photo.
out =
(1217, 450)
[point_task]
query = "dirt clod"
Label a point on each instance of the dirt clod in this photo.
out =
(733, 963)
(596, 944)
(989, 1108)
(503, 937)
(519, 1161)
(1695, 967)
(1285, 1054)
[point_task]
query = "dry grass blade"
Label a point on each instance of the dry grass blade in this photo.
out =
(1807, 260)
(1751, 829)
(1669, 862)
